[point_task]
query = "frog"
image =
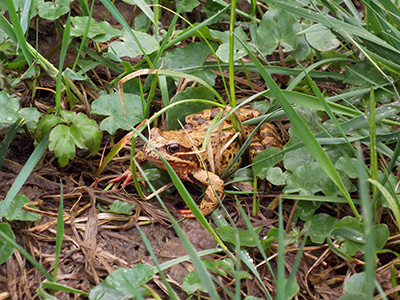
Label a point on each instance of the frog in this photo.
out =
(182, 149)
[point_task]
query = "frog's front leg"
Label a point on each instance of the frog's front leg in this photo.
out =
(127, 175)
(210, 201)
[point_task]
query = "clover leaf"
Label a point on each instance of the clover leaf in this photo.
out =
(77, 131)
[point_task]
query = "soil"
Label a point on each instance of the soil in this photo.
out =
(97, 243)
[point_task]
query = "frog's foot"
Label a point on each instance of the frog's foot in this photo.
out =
(186, 213)
(206, 207)
(127, 177)
(214, 190)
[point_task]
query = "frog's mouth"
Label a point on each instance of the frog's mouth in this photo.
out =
(179, 159)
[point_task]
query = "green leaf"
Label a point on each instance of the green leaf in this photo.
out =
(192, 283)
(319, 226)
(45, 124)
(56, 287)
(221, 267)
(228, 234)
(62, 142)
(6, 249)
(276, 176)
(51, 11)
(110, 105)
(302, 50)
(352, 296)
(191, 56)
(188, 5)
(142, 22)
(15, 212)
(321, 38)
(277, 27)
(297, 157)
(10, 111)
(228, 265)
(272, 236)
(349, 232)
(179, 112)
(118, 207)
(223, 49)
(123, 284)
(68, 116)
(293, 289)
(306, 209)
(129, 48)
(355, 284)
(381, 232)
(363, 74)
(98, 31)
(347, 165)
(89, 130)
(392, 201)
(10, 107)
(306, 179)
(263, 162)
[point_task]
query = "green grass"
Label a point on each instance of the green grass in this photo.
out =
(336, 90)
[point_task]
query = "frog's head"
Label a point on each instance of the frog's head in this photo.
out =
(174, 146)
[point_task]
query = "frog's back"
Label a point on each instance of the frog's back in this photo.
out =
(203, 118)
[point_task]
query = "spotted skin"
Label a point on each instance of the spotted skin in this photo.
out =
(178, 147)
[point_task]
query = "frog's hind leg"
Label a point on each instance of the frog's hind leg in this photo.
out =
(266, 137)
(210, 201)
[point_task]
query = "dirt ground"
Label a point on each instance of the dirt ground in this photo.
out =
(96, 243)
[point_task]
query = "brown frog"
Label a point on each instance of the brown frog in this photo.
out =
(182, 150)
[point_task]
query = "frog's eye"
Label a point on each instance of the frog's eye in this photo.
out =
(173, 148)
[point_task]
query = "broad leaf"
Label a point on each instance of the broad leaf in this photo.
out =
(321, 38)
(98, 31)
(90, 131)
(6, 249)
(129, 48)
(179, 112)
(277, 27)
(319, 226)
(110, 105)
(228, 234)
(190, 56)
(62, 142)
(265, 160)
(123, 283)
(192, 283)
(53, 10)
(118, 207)
(15, 211)
(10, 111)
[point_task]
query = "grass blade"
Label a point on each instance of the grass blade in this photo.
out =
(198, 264)
(114, 11)
(366, 205)
(33, 261)
(64, 47)
(304, 132)
(60, 232)
(18, 30)
(23, 175)
(5, 144)
(392, 202)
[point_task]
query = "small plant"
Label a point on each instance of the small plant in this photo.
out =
(326, 72)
